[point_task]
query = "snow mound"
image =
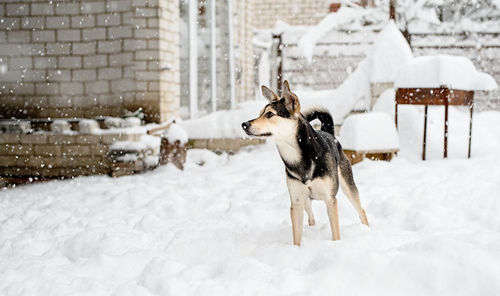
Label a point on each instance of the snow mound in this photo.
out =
(390, 50)
(373, 131)
(456, 72)
(176, 133)
(89, 126)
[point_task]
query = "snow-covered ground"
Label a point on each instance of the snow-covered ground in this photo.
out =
(223, 228)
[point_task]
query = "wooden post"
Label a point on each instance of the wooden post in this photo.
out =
(425, 132)
(446, 101)
(470, 128)
(279, 58)
(396, 114)
(392, 10)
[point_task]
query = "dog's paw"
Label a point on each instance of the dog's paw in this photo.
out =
(311, 222)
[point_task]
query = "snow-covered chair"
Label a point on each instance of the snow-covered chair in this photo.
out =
(369, 135)
(440, 80)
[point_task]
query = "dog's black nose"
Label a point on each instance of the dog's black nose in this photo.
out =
(245, 125)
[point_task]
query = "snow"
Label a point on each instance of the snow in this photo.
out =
(374, 131)
(176, 133)
(88, 126)
(456, 72)
(331, 21)
(389, 51)
(223, 228)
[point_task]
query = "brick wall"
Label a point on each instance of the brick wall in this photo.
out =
(54, 155)
(89, 58)
(293, 12)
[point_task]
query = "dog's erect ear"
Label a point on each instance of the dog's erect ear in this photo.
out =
(269, 94)
(291, 100)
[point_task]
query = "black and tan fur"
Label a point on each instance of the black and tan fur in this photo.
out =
(314, 162)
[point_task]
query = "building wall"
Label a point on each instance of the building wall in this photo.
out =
(293, 12)
(88, 58)
(244, 23)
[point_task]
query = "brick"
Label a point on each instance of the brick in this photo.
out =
(34, 139)
(147, 55)
(60, 102)
(95, 61)
(109, 46)
(84, 21)
(9, 138)
(45, 62)
(67, 8)
(100, 150)
(93, 7)
(84, 48)
(108, 20)
(93, 34)
(57, 22)
(3, 36)
(111, 138)
(68, 35)
(146, 12)
(62, 139)
(88, 139)
(71, 88)
(76, 150)
(17, 9)
(109, 73)
(33, 161)
(20, 63)
(70, 62)
(48, 150)
(12, 76)
(18, 36)
(119, 32)
(34, 75)
(59, 75)
(120, 59)
(16, 149)
(35, 22)
(32, 49)
(42, 9)
(24, 89)
(118, 6)
(148, 75)
(84, 75)
(44, 36)
(134, 44)
(122, 85)
(8, 161)
(58, 48)
(44, 88)
(146, 33)
(97, 87)
(10, 23)
(9, 49)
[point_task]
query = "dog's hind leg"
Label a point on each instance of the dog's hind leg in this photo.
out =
(309, 212)
(349, 187)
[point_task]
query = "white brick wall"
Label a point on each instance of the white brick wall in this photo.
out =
(86, 58)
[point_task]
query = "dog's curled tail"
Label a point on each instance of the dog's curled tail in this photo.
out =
(324, 116)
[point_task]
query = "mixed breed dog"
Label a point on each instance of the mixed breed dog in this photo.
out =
(315, 164)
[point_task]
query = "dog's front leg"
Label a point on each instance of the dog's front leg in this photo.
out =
(298, 193)
(297, 215)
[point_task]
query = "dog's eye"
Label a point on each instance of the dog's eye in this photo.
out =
(269, 114)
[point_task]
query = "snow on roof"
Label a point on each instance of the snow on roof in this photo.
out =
(456, 72)
(374, 131)
(390, 50)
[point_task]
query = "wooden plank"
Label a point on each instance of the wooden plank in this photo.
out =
(434, 96)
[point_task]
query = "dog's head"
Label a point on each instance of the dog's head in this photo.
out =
(278, 118)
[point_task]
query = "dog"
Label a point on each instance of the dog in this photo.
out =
(315, 164)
